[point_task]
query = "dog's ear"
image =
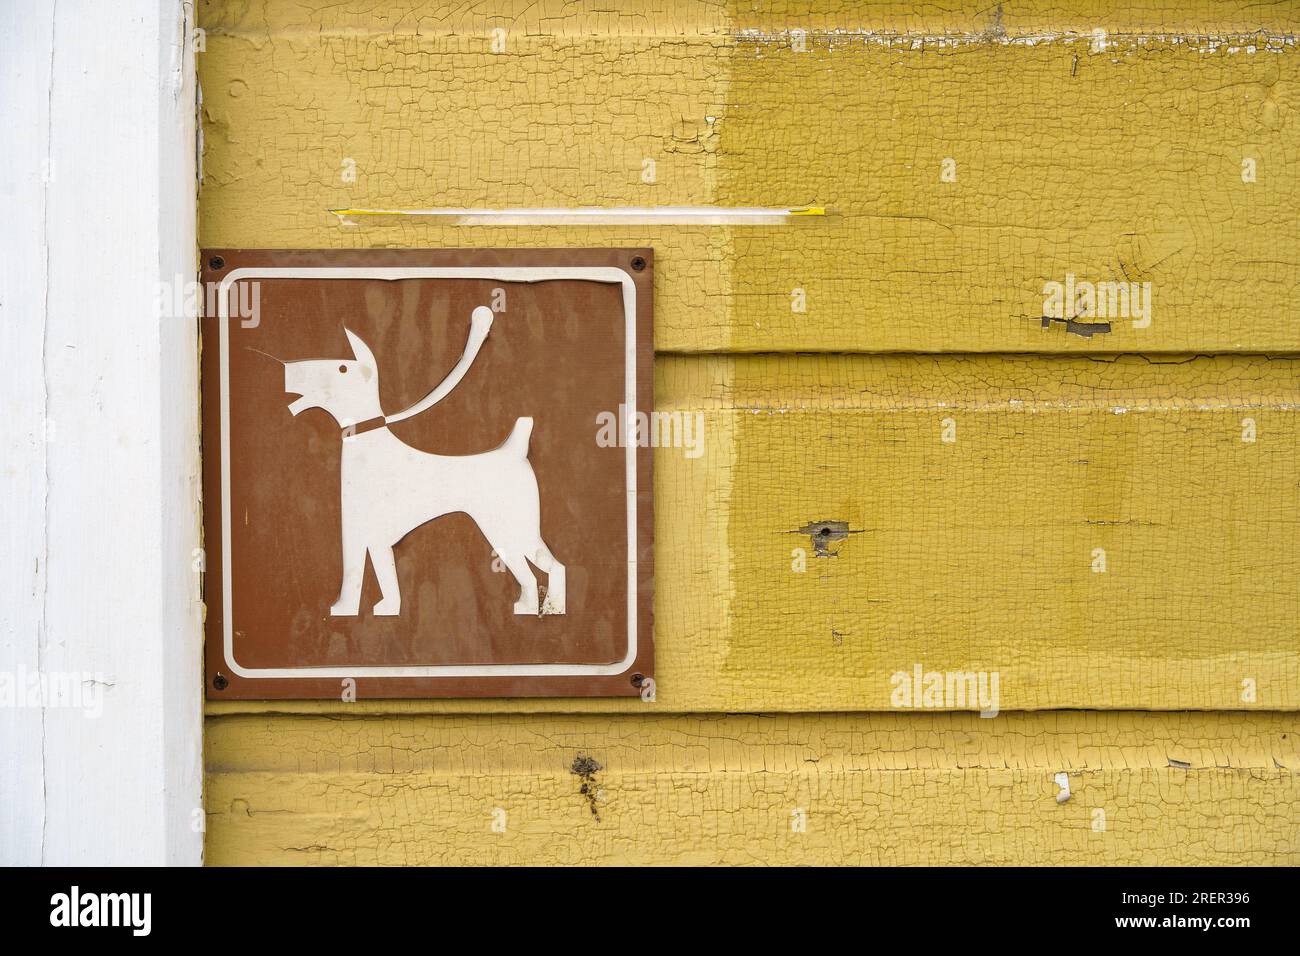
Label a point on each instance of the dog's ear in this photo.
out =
(361, 351)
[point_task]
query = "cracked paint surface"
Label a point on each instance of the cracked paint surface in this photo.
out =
(1115, 156)
(874, 789)
(982, 551)
(1118, 161)
(974, 555)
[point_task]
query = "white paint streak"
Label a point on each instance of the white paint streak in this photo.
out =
(594, 215)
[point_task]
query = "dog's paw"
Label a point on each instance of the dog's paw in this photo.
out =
(524, 606)
(342, 609)
(553, 604)
(387, 608)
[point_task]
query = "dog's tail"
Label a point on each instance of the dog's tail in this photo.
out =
(517, 443)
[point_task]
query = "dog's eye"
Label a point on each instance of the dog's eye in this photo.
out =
(343, 368)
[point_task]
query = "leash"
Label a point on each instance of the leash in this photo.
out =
(480, 322)
(369, 425)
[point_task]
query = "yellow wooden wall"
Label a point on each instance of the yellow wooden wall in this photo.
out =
(1102, 139)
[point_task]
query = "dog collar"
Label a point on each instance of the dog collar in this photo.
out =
(369, 425)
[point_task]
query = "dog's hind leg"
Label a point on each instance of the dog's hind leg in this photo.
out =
(555, 585)
(515, 561)
(381, 559)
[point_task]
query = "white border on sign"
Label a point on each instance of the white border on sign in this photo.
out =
(500, 274)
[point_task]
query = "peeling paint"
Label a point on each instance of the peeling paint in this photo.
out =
(886, 789)
(827, 536)
(586, 768)
(1085, 329)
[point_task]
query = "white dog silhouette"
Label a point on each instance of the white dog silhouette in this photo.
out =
(390, 488)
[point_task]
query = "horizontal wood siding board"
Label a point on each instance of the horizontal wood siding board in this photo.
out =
(976, 555)
(1153, 789)
(1113, 158)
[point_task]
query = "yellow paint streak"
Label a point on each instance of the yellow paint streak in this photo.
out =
(881, 789)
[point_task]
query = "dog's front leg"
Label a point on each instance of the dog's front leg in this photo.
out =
(381, 559)
(354, 573)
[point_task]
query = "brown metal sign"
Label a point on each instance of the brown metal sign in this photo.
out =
(411, 484)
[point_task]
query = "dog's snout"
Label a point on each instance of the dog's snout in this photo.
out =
(293, 385)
